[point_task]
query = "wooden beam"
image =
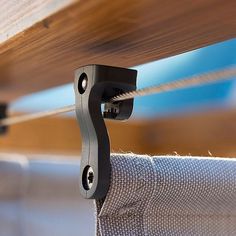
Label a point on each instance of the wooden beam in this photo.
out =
(194, 134)
(17, 16)
(121, 33)
(61, 135)
(200, 134)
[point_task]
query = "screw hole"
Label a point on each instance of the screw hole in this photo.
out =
(82, 83)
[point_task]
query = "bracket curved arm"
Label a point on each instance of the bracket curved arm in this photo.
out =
(95, 85)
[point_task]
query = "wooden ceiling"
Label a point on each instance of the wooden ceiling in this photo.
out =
(120, 32)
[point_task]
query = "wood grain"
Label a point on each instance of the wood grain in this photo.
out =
(200, 134)
(194, 134)
(18, 15)
(121, 33)
(61, 135)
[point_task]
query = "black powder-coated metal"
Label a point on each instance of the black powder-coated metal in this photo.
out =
(95, 85)
(3, 115)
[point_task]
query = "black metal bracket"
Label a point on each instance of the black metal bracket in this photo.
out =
(3, 114)
(95, 85)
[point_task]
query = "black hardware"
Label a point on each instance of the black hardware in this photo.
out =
(95, 85)
(3, 114)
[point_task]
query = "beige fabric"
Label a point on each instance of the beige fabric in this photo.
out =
(147, 196)
(169, 196)
(41, 198)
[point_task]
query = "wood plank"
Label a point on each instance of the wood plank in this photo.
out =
(17, 16)
(61, 135)
(201, 134)
(121, 33)
(195, 134)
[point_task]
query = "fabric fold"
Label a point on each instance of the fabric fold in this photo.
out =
(169, 195)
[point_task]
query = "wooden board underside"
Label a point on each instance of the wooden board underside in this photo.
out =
(120, 33)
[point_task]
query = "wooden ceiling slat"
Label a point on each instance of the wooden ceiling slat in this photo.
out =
(120, 33)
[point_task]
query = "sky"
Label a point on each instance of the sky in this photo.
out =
(210, 58)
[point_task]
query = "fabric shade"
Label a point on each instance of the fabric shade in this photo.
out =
(169, 195)
(41, 197)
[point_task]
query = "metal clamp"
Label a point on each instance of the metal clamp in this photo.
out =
(95, 85)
